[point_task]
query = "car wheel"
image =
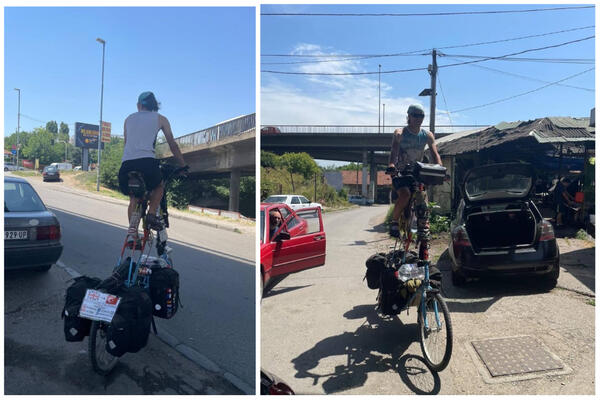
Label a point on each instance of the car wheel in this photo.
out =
(551, 279)
(43, 268)
(458, 279)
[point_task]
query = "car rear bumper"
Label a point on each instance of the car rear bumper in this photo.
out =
(527, 261)
(31, 257)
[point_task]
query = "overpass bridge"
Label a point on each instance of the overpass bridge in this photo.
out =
(226, 149)
(368, 144)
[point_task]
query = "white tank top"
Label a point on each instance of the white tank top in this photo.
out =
(142, 128)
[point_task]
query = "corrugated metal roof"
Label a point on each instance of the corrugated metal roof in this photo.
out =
(543, 130)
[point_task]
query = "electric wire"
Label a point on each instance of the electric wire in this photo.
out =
(423, 14)
(529, 78)
(445, 103)
(524, 93)
(409, 53)
(421, 69)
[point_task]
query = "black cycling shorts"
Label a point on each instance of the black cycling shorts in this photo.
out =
(149, 169)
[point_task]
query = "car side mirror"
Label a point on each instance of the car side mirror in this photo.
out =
(283, 235)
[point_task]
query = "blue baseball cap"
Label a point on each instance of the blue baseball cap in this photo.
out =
(416, 109)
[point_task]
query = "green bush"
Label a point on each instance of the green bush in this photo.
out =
(110, 163)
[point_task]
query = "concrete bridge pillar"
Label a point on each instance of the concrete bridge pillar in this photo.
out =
(234, 190)
(364, 174)
(373, 174)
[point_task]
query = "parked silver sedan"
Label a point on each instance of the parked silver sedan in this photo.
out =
(31, 232)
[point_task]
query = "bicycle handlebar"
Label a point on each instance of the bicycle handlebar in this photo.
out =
(169, 171)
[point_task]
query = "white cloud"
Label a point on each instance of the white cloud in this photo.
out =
(330, 99)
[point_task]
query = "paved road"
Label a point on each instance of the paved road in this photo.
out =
(216, 269)
(38, 361)
(321, 334)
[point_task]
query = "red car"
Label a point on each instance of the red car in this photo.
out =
(295, 245)
(269, 130)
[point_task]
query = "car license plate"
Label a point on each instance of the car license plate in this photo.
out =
(15, 235)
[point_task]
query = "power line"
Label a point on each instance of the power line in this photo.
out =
(422, 14)
(439, 48)
(520, 52)
(530, 78)
(524, 93)
(420, 69)
(529, 59)
(444, 97)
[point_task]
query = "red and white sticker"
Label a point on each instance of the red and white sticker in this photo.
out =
(99, 306)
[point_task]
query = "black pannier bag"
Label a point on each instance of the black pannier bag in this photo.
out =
(391, 299)
(76, 328)
(128, 332)
(430, 174)
(375, 265)
(164, 292)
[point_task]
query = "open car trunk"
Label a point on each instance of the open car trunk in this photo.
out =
(503, 226)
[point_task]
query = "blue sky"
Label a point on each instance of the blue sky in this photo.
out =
(306, 99)
(199, 62)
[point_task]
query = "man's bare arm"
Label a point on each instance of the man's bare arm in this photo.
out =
(166, 128)
(433, 148)
(395, 149)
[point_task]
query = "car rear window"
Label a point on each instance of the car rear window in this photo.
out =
(275, 199)
(304, 200)
(514, 184)
(20, 197)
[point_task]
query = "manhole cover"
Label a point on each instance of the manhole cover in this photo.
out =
(515, 355)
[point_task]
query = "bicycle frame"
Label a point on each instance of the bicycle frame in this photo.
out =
(423, 245)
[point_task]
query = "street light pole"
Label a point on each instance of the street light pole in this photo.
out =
(18, 125)
(383, 129)
(100, 126)
(379, 112)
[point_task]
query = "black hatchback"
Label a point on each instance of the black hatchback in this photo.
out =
(31, 231)
(498, 230)
(50, 173)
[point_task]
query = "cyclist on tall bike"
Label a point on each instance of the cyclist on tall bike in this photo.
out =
(140, 131)
(408, 147)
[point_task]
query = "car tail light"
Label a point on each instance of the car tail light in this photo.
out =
(280, 388)
(51, 232)
(547, 232)
(460, 239)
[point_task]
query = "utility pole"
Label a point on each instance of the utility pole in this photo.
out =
(18, 125)
(433, 72)
(383, 124)
(379, 111)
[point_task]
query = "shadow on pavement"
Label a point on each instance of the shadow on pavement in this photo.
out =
(581, 265)
(376, 346)
(274, 292)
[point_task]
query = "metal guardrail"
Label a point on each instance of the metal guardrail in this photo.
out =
(215, 133)
(349, 129)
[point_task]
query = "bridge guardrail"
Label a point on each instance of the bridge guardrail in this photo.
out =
(215, 133)
(349, 129)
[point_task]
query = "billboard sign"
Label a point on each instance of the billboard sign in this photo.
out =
(105, 132)
(86, 136)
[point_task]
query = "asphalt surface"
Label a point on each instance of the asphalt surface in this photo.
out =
(216, 325)
(336, 343)
(38, 361)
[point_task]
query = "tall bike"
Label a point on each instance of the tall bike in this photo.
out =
(435, 325)
(132, 271)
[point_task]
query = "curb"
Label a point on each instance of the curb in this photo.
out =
(171, 214)
(186, 351)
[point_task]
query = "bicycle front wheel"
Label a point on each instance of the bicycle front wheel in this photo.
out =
(435, 328)
(102, 361)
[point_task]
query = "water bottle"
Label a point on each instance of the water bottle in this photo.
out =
(410, 271)
(413, 224)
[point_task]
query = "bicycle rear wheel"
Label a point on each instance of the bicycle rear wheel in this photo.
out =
(102, 361)
(436, 337)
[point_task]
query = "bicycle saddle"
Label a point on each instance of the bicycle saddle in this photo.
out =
(135, 184)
